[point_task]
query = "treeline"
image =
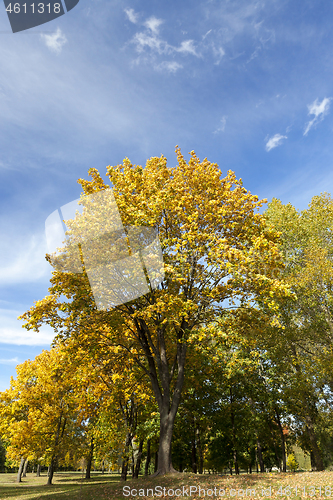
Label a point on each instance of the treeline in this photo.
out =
(229, 358)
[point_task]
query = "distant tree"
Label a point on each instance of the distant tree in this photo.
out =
(2, 456)
(38, 412)
(292, 463)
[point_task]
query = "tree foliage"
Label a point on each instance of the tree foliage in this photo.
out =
(229, 354)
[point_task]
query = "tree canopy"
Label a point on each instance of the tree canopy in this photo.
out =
(174, 300)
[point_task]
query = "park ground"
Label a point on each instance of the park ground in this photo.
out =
(71, 486)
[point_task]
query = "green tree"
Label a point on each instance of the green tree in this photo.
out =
(307, 246)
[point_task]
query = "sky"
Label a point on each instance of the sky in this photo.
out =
(247, 84)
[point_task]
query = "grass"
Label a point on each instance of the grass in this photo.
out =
(71, 486)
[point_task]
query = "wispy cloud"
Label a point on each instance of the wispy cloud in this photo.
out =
(169, 66)
(275, 141)
(149, 44)
(20, 336)
(11, 332)
(187, 47)
(212, 42)
(318, 110)
(55, 41)
(222, 125)
(132, 15)
(218, 53)
(153, 24)
(12, 361)
(151, 40)
(23, 261)
(206, 34)
(144, 40)
(254, 54)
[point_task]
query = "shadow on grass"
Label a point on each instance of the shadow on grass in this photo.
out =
(100, 487)
(56, 492)
(93, 479)
(70, 487)
(31, 492)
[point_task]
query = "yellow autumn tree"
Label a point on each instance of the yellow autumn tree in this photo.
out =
(39, 417)
(217, 253)
(109, 396)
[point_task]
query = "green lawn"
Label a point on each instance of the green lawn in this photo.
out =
(71, 486)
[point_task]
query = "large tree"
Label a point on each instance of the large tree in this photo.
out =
(217, 252)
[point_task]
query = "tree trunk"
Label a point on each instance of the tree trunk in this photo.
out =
(167, 420)
(51, 471)
(59, 434)
(260, 459)
(134, 455)
(19, 474)
(90, 458)
(138, 460)
(234, 444)
(312, 461)
(88, 468)
(236, 462)
(309, 420)
(156, 462)
(194, 456)
(278, 461)
(317, 458)
(148, 458)
(124, 468)
(38, 470)
(200, 452)
(103, 466)
(24, 473)
(161, 376)
(132, 465)
(283, 442)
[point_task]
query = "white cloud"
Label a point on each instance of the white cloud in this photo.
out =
(151, 40)
(254, 54)
(206, 34)
(143, 40)
(318, 110)
(9, 361)
(132, 15)
(169, 66)
(23, 261)
(187, 47)
(218, 53)
(11, 331)
(275, 141)
(19, 336)
(153, 24)
(55, 41)
(152, 44)
(221, 128)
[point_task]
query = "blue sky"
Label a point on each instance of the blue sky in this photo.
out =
(247, 84)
